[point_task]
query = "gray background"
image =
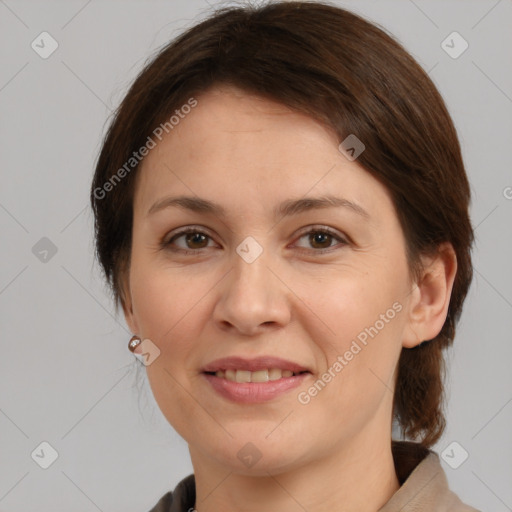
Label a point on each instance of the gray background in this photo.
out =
(66, 376)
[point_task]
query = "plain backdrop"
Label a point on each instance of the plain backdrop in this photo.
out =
(66, 376)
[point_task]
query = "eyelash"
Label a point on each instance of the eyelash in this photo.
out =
(315, 229)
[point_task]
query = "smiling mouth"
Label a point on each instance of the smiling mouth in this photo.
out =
(266, 375)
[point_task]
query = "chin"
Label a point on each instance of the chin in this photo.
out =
(257, 456)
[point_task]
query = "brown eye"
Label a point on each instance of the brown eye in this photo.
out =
(321, 240)
(193, 240)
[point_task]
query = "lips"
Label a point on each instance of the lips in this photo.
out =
(254, 380)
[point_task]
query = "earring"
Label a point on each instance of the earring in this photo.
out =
(134, 342)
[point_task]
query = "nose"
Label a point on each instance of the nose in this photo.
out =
(252, 298)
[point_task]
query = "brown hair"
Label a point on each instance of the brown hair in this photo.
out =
(343, 71)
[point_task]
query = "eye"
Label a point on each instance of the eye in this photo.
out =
(192, 238)
(321, 239)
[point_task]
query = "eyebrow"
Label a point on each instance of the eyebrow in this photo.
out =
(285, 209)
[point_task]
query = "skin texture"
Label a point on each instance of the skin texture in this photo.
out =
(249, 154)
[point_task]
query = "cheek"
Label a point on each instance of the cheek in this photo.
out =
(167, 307)
(358, 337)
(164, 298)
(354, 303)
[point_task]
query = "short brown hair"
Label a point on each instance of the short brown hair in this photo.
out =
(347, 73)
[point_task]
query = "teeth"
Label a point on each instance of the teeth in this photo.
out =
(275, 373)
(243, 376)
(257, 376)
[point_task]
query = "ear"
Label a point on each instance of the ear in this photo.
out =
(430, 297)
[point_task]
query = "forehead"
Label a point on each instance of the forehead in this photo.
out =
(240, 146)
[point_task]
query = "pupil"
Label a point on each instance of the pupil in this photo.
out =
(320, 238)
(193, 238)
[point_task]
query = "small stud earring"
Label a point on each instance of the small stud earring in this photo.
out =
(134, 342)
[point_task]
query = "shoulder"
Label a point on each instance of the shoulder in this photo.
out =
(182, 499)
(424, 486)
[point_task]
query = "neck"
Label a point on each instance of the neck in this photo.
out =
(359, 478)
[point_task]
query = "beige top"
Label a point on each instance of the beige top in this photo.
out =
(423, 486)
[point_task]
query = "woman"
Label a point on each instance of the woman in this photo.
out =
(282, 213)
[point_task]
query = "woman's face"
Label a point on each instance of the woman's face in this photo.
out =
(324, 289)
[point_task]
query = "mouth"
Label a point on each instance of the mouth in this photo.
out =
(253, 380)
